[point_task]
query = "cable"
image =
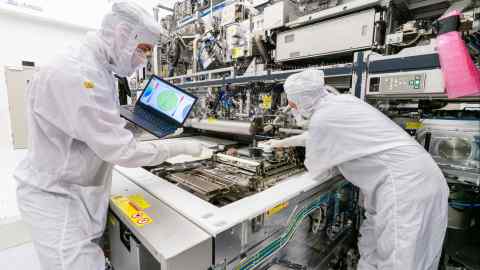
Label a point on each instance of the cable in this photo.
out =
(277, 244)
(410, 43)
(463, 205)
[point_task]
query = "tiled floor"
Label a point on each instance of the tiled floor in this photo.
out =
(19, 258)
(16, 250)
(8, 202)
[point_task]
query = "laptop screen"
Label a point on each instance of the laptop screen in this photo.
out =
(167, 99)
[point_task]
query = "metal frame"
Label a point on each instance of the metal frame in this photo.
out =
(333, 71)
(418, 62)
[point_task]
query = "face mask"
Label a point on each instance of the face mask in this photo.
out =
(138, 58)
(305, 103)
(306, 112)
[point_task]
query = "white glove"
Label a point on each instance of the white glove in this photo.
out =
(177, 132)
(301, 121)
(191, 148)
(299, 140)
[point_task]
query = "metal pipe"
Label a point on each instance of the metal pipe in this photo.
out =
(223, 126)
(291, 131)
(261, 48)
(194, 62)
(155, 14)
(164, 7)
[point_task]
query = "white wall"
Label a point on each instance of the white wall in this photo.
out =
(35, 36)
(29, 38)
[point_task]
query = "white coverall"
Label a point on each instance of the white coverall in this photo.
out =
(406, 195)
(76, 135)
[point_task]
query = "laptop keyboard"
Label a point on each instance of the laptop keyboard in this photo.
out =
(152, 119)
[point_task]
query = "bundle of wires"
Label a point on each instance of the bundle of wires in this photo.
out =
(276, 245)
(464, 205)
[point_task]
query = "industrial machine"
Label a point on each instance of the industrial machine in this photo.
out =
(246, 206)
(224, 178)
(245, 211)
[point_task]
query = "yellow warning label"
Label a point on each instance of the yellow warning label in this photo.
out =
(267, 102)
(413, 125)
(132, 210)
(276, 209)
(88, 84)
(237, 52)
(211, 120)
(139, 201)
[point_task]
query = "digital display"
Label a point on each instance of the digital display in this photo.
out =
(167, 99)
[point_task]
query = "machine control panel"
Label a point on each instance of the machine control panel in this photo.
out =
(403, 83)
(425, 82)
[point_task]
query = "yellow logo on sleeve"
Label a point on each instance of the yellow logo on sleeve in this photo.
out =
(88, 84)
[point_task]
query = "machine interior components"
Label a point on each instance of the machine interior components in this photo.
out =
(454, 144)
(224, 178)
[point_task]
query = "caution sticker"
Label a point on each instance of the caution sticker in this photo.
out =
(237, 52)
(133, 209)
(139, 201)
(211, 120)
(276, 209)
(413, 125)
(267, 102)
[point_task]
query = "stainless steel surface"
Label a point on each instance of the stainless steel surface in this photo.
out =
(131, 255)
(455, 149)
(312, 250)
(348, 7)
(291, 131)
(349, 33)
(278, 14)
(199, 182)
(223, 126)
(454, 144)
(171, 239)
(247, 237)
(224, 179)
(201, 76)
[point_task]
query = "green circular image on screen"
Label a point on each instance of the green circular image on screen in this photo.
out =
(167, 100)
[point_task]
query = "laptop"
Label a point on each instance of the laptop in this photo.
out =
(161, 108)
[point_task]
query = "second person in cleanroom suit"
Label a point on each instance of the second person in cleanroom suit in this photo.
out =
(76, 135)
(406, 195)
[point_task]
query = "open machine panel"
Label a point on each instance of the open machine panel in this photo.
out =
(226, 178)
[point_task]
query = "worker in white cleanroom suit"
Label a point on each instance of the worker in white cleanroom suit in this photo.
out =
(406, 195)
(76, 135)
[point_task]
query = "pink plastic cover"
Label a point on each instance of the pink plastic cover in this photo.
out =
(461, 76)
